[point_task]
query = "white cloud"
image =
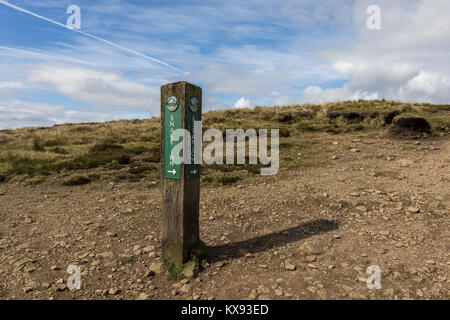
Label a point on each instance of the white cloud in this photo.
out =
(429, 84)
(17, 113)
(244, 103)
(406, 60)
(10, 85)
(102, 89)
(315, 94)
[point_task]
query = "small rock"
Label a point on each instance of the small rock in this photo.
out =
(142, 296)
(312, 289)
(278, 292)
(413, 210)
(106, 255)
(253, 294)
(149, 249)
(45, 285)
(389, 292)
(191, 270)
(419, 293)
(61, 287)
(308, 249)
(219, 264)
(362, 279)
(156, 267)
(289, 266)
(405, 163)
(113, 291)
(186, 288)
(30, 287)
(323, 294)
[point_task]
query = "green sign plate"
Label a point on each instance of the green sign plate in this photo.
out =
(193, 113)
(172, 121)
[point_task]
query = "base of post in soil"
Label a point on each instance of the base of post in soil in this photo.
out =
(191, 267)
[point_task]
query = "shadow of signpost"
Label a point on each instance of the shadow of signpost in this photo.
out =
(272, 240)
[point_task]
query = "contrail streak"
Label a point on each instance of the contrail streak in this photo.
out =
(91, 36)
(47, 56)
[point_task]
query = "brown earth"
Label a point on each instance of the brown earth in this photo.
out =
(378, 201)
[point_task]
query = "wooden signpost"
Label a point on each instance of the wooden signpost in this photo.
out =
(181, 105)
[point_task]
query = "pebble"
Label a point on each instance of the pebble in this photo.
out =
(142, 296)
(113, 291)
(156, 267)
(289, 266)
(190, 270)
(106, 255)
(307, 249)
(61, 287)
(253, 295)
(186, 288)
(45, 285)
(413, 210)
(278, 292)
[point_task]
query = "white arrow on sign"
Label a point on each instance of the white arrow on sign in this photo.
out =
(173, 171)
(194, 171)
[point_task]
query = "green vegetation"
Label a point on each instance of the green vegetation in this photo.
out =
(175, 272)
(199, 252)
(77, 181)
(125, 260)
(130, 150)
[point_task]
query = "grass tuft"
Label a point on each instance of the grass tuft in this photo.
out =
(77, 181)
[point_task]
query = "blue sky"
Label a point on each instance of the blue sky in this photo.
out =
(243, 53)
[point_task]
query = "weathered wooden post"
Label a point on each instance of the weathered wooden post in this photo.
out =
(181, 105)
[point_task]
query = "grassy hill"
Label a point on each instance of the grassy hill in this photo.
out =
(129, 149)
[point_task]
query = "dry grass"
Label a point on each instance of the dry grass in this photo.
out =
(129, 149)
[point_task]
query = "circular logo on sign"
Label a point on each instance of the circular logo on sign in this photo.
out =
(193, 104)
(172, 103)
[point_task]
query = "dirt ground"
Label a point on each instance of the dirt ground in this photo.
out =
(307, 233)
